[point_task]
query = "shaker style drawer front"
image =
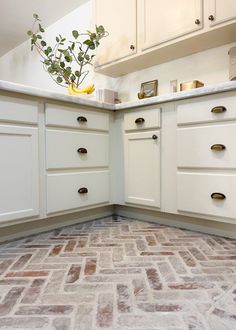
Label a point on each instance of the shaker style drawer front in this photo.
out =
(79, 119)
(66, 149)
(207, 146)
(74, 190)
(209, 194)
(207, 109)
(18, 110)
(140, 120)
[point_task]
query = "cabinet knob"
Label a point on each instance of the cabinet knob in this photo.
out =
(218, 147)
(83, 190)
(218, 196)
(139, 120)
(218, 109)
(82, 119)
(132, 47)
(82, 151)
(154, 137)
(211, 18)
(197, 21)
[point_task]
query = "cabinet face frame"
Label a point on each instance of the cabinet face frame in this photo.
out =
(128, 23)
(212, 10)
(131, 179)
(145, 44)
(26, 202)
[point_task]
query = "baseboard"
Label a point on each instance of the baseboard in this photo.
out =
(42, 225)
(201, 225)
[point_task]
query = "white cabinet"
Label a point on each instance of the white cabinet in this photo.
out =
(142, 157)
(163, 21)
(221, 11)
(119, 19)
(142, 168)
(206, 156)
(19, 165)
(165, 30)
(77, 158)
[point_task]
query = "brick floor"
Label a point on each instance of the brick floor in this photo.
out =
(118, 274)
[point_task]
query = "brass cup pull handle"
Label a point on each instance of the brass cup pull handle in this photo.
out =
(218, 147)
(139, 121)
(197, 21)
(83, 190)
(82, 151)
(218, 109)
(218, 196)
(82, 119)
(211, 18)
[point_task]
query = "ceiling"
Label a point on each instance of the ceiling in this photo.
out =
(16, 17)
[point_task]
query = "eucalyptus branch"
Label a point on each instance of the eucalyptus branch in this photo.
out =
(58, 60)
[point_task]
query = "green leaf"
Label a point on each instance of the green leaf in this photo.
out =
(30, 33)
(39, 36)
(36, 16)
(62, 64)
(43, 43)
(46, 62)
(73, 46)
(75, 34)
(59, 80)
(41, 29)
(57, 39)
(68, 58)
(77, 73)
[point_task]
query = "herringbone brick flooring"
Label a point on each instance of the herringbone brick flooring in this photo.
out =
(118, 274)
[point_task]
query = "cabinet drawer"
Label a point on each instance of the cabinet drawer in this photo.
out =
(63, 190)
(201, 109)
(144, 119)
(195, 190)
(18, 110)
(75, 150)
(80, 119)
(207, 146)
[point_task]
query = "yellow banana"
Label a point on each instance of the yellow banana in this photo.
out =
(88, 90)
(70, 90)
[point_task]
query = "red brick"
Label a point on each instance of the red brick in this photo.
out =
(73, 274)
(154, 279)
(90, 267)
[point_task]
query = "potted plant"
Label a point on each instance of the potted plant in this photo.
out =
(67, 61)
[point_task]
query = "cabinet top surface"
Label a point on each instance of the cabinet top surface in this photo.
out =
(6, 86)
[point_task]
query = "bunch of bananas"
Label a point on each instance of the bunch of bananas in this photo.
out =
(72, 90)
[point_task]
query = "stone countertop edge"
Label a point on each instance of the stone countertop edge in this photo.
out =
(38, 92)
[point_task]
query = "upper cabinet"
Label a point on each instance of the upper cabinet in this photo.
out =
(119, 19)
(162, 21)
(144, 33)
(221, 11)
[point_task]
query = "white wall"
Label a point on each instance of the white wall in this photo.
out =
(23, 66)
(209, 67)
(20, 65)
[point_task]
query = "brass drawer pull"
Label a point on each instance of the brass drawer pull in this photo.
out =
(139, 120)
(82, 151)
(154, 137)
(82, 119)
(218, 109)
(218, 147)
(83, 190)
(218, 196)
(197, 21)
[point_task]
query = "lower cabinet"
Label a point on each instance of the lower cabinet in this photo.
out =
(68, 191)
(142, 168)
(207, 193)
(19, 172)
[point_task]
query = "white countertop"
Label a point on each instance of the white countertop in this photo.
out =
(38, 92)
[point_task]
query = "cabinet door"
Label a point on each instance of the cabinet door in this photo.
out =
(166, 20)
(119, 19)
(142, 168)
(19, 196)
(221, 11)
